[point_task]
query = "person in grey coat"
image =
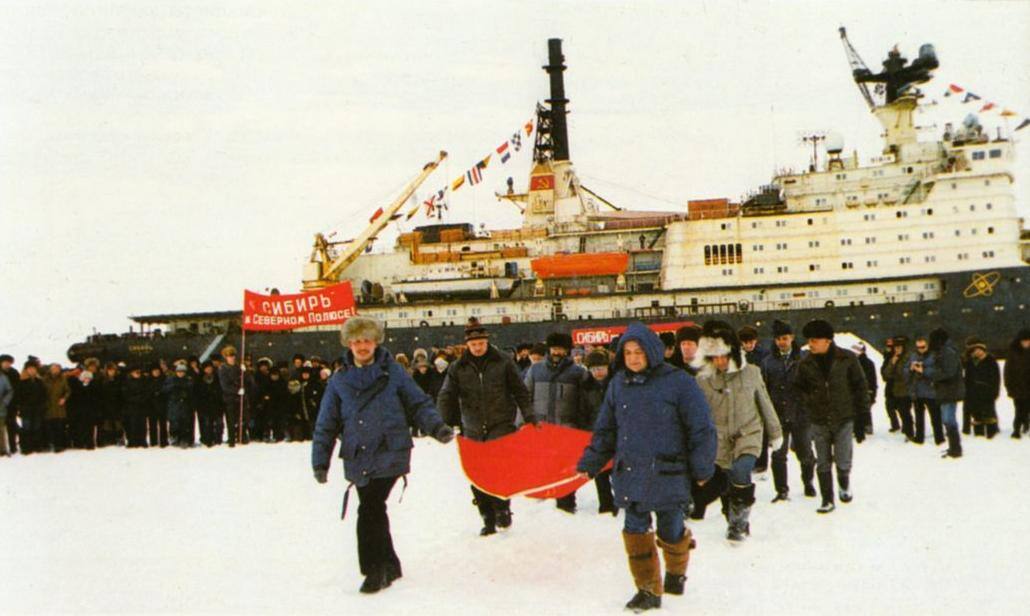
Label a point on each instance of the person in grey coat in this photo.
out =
(556, 390)
(945, 372)
(742, 413)
(370, 405)
(835, 392)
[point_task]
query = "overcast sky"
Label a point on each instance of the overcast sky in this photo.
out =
(163, 156)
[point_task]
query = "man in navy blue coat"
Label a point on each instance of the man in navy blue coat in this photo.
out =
(371, 404)
(655, 423)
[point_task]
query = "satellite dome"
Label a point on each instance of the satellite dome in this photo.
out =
(834, 143)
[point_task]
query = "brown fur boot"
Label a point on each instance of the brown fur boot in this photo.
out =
(677, 555)
(643, 562)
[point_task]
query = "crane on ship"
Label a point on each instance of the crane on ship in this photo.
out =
(897, 75)
(323, 267)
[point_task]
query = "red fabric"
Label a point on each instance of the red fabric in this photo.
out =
(534, 462)
(332, 304)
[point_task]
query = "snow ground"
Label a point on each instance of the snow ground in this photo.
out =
(248, 530)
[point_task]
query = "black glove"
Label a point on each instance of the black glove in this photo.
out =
(321, 475)
(444, 434)
(710, 491)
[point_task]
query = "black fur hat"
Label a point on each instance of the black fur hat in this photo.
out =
(688, 332)
(818, 329)
(779, 328)
(559, 339)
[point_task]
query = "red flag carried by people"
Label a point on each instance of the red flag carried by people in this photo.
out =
(326, 306)
(534, 462)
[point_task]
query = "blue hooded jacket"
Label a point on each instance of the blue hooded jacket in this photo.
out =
(371, 409)
(657, 427)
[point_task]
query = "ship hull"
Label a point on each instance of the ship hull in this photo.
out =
(992, 305)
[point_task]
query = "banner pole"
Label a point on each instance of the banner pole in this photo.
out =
(243, 383)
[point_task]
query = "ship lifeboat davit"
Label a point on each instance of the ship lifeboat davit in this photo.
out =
(581, 264)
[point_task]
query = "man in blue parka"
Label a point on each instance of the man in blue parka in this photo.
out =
(654, 423)
(371, 404)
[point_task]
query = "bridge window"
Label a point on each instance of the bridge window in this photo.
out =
(995, 153)
(978, 155)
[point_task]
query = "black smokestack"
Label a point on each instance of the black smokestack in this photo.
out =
(555, 67)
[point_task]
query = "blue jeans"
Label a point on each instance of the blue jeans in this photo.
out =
(670, 522)
(740, 471)
(949, 412)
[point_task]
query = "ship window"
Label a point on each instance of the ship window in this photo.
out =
(904, 260)
(759, 270)
(929, 258)
(757, 247)
(990, 229)
(723, 226)
(963, 256)
(988, 254)
(810, 221)
(781, 223)
(727, 272)
(781, 269)
(901, 214)
(903, 237)
(813, 267)
(813, 244)
(987, 182)
(902, 287)
(733, 253)
(989, 206)
(973, 231)
(928, 235)
(501, 310)
(847, 265)
(845, 242)
(740, 253)
(708, 255)
(958, 232)
(978, 155)
(870, 240)
(995, 153)
(722, 254)
(908, 169)
(872, 290)
(972, 207)
(872, 263)
(755, 225)
(781, 246)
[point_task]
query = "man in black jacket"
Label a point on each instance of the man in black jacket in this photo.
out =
(834, 390)
(483, 388)
(864, 424)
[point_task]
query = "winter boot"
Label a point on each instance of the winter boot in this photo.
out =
(567, 503)
(725, 499)
(375, 581)
(741, 499)
(967, 421)
(393, 572)
(486, 511)
(807, 474)
(826, 489)
(643, 565)
(978, 429)
(991, 429)
(844, 483)
(954, 443)
(502, 515)
(677, 555)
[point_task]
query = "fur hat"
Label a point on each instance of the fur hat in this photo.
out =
(688, 332)
(559, 339)
(475, 330)
(597, 358)
(668, 339)
(938, 338)
(718, 338)
(361, 328)
(818, 328)
(6, 357)
(747, 333)
(779, 328)
(538, 349)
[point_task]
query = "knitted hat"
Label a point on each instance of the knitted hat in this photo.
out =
(559, 339)
(818, 329)
(597, 358)
(973, 343)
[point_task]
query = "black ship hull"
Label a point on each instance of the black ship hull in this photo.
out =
(992, 305)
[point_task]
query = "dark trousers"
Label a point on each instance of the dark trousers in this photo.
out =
(796, 436)
(83, 432)
(1021, 421)
(605, 498)
(488, 505)
(902, 407)
(136, 432)
(375, 545)
(233, 420)
(12, 431)
(57, 433)
(919, 408)
(31, 436)
(211, 427)
(890, 404)
(158, 428)
(762, 462)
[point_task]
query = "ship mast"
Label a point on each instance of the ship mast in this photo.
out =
(322, 270)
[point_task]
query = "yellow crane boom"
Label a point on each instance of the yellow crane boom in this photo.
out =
(322, 270)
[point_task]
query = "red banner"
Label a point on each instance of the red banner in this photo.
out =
(327, 306)
(603, 335)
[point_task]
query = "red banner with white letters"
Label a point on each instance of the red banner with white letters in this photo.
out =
(328, 306)
(604, 335)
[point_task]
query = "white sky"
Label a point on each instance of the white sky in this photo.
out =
(162, 156)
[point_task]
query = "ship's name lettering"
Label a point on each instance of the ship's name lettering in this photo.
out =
(296, 306)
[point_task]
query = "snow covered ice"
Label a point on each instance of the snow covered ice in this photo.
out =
(248, 530)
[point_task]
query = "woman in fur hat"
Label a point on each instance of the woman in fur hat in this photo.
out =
(741, 410)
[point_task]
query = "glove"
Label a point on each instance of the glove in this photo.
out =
(444, 434)
(321, 475)
(775, 444)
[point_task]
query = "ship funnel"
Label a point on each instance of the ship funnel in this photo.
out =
(555, 69)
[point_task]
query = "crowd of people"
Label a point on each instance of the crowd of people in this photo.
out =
(686, 418)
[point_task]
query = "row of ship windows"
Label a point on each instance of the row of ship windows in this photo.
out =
(847, 265)
(722, 254)
(980, 154)
(926, 211)
(453, 312)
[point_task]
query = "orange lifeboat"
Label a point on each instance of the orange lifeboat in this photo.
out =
(581, 264)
